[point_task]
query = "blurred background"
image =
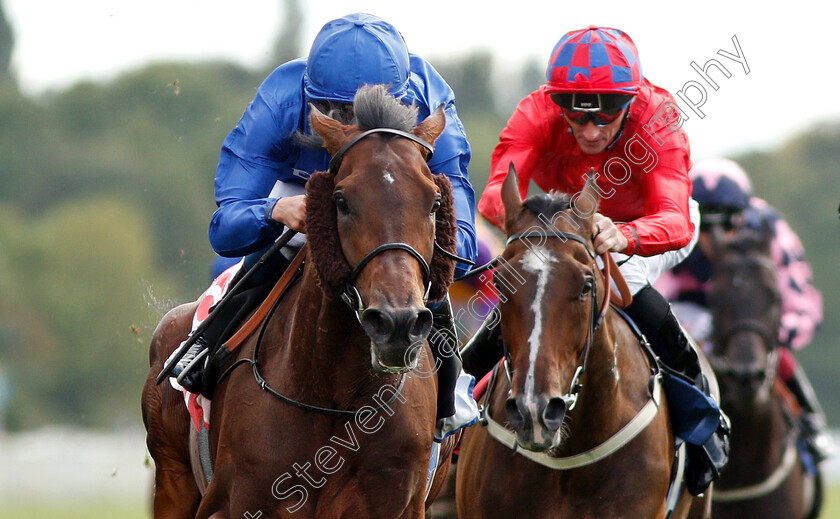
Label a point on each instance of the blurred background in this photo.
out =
(112, 115)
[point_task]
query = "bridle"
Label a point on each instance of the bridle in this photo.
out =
(632, 428)
(596, 317)
(768, 335)
(351, 294)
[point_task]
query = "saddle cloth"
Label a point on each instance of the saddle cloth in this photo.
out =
(197, 405)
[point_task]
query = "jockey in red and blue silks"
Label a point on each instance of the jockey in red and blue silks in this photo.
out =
(263, 167)
(598, 112)
(724, 190)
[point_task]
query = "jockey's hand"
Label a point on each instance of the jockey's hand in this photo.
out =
(606, 235)
(291, 212)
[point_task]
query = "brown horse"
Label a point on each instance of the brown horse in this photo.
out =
(340, 426)
(587, 433)
(765, 476)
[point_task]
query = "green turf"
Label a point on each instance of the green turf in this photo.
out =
(831, 503)
(104, 509)
(136, 509)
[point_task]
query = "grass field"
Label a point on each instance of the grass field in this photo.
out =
(139, 510)
(76, 510)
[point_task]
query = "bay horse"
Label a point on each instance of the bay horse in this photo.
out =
(577, 426)
(765, 476)
(319, 414)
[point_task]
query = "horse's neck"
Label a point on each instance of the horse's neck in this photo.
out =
(614, 386)
(759, 425)
(327, 346)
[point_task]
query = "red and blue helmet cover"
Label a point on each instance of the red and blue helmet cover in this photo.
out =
(596, 60)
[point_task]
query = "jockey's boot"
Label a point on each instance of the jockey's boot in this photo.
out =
(192, 370)
(485, 349)
(814, 428)
(652, 313)
(188, 370)
(455, 407)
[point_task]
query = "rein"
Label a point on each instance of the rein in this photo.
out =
(303, 405)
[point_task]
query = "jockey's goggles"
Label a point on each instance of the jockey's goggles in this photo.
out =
(718, 216)
(600, 118)
(601, 109)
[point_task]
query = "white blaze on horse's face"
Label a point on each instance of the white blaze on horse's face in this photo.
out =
(537, 262)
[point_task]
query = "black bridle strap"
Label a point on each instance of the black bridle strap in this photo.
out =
(748, 325)
(451, 256)
(336, 160)
(551, 234)
(390, 246)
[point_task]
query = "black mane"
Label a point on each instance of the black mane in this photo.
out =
(548, 204)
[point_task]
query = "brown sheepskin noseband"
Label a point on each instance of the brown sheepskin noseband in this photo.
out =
(325, 245)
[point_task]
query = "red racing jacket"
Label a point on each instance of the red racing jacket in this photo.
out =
(642, 176)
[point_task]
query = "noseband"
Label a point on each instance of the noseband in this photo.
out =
(351, 295)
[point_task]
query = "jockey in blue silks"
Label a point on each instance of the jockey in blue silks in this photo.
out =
(263, 168)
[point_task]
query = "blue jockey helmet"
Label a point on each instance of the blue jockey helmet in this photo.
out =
(355, 50)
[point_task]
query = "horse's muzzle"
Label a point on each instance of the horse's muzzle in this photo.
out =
(537, 421)
(397, 335)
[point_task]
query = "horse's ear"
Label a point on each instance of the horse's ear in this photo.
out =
(585, 203)
(511, 199)
(432, 126)
(331, 131)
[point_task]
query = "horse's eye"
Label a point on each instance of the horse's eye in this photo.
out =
(587, 287)
(436, 206)
(341, 203)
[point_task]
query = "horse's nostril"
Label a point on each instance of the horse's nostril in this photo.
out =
(555, 411)
(422, 325)
(514, 416)
(377, 324)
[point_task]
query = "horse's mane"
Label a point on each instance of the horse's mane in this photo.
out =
(372, 108)
(548, 204)
(375, 108)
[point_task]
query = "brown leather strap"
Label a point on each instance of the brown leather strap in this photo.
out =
(255, 320)
(623, 297)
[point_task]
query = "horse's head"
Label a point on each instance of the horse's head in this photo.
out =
(549, 319)
(372, 221)
(746, 311)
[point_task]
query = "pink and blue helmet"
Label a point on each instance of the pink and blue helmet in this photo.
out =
(720, 183)
(594, 60)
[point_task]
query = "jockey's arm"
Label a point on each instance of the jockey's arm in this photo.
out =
(451, 157)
